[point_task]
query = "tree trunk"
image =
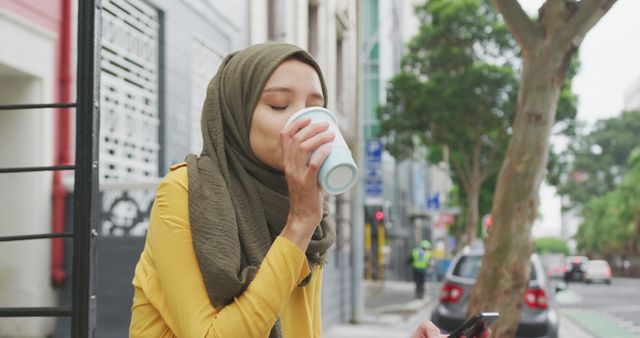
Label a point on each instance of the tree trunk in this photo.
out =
(503, 279)
(547, 46)
(472, 211)
(635, 244)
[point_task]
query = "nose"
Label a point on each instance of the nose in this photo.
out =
(298, 105)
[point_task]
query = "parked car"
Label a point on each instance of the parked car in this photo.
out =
(539, 317)
(597, 271)
(555, 265)
(575, 268)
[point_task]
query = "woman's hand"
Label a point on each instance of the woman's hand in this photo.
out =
(428, 329)
(299, 140)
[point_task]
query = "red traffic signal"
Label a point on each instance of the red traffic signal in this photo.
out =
(379, 215)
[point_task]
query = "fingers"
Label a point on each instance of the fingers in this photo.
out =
(309, 131)
(317, 159)
(300, 139)
(314, 142)
(294, 127)
(427, 330)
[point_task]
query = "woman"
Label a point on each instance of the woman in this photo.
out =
(237, 236)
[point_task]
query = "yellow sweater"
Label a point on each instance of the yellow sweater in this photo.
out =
(170, 299)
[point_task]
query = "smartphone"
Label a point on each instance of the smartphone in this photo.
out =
(475, 325)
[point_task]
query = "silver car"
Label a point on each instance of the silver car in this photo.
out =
(539, 317)
(597, 270)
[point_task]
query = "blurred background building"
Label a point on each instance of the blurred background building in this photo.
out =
(413, 194)
(157, 59)
(31, 70)
(632, 96)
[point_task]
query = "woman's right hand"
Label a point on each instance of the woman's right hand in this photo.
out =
(299, 141)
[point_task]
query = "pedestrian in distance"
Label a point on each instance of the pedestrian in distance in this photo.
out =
(238, 236)
(420, 259)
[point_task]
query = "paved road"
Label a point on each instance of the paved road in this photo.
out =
(604, 310)
(392, 312)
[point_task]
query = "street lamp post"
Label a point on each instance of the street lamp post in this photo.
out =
(357, 235)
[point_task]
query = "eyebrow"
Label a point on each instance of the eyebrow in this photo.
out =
(289, 90)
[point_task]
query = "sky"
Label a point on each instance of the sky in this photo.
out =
(610, 63)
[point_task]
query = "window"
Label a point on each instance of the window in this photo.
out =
(340, 73)
(275, 30)
(313, 29)
(469, 266)
(129, 140)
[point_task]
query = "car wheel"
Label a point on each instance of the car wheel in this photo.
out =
(588, 281)
(608, 281)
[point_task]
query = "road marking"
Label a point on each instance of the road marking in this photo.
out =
(622, 308)
(567, 297)
(601, 325)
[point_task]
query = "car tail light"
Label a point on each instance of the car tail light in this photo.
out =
(451, 293)
(607, 271)
(535, 299)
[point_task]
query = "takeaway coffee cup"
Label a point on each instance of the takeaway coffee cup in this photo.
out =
(338, 171)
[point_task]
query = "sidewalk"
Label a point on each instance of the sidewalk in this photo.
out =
(391, 311)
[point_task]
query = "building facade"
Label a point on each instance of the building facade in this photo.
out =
(157, 57)
(327, 29)
(31, 71)
(415, 192)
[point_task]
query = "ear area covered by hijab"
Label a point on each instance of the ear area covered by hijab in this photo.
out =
(238, 205)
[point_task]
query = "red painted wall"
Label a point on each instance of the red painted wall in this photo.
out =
(55, 15)
(46, 13)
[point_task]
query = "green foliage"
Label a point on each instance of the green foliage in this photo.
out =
(611, 222)
(551, 245)
(457, 88)
(594, 162)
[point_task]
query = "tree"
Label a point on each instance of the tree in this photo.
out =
(551, 245)
(596, 161)
(611, 223)
(456, 88)
(547, 45)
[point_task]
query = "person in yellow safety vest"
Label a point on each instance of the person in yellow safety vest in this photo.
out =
(420, 259)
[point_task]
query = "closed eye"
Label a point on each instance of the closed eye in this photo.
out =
(278, 107)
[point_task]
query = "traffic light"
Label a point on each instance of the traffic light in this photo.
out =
(379, 216)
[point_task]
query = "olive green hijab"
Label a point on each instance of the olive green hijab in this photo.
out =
(237, 204)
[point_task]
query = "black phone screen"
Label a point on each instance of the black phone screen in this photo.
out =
(475, 325)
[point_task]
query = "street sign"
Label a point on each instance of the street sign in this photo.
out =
(374, 173)
(433, 201)
(373, 170)
(374, 151)
(374, 187)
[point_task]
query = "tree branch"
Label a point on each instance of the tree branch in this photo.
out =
(475, 161)
(525, 31)
(464, 161)
(464, 179)
(588, 14)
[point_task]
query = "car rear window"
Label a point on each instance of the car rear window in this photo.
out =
(598, 264)
(469, 266)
